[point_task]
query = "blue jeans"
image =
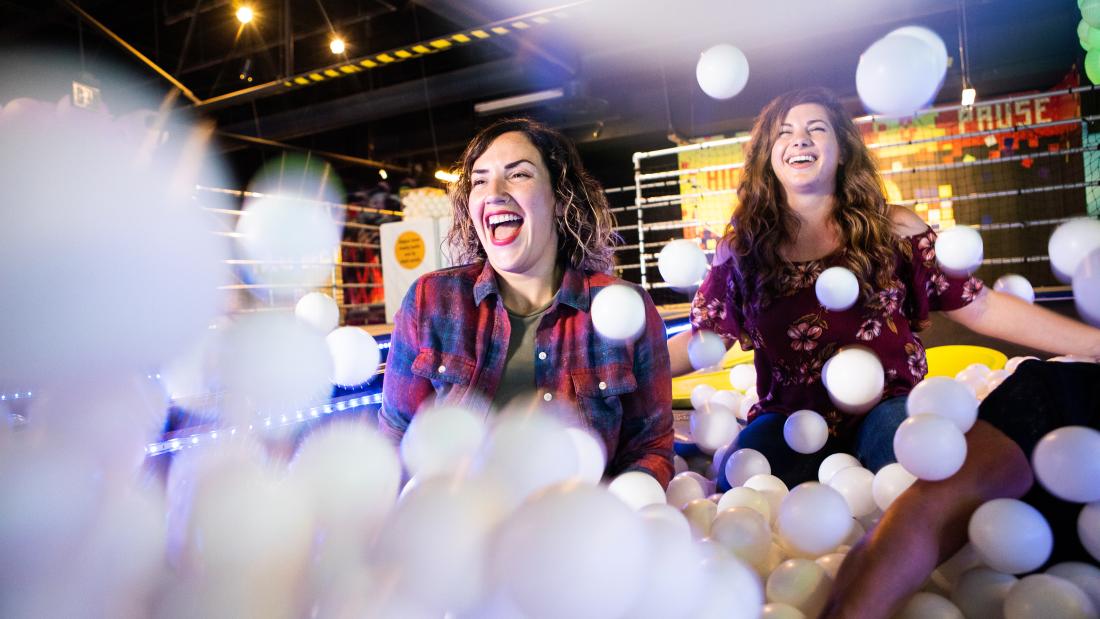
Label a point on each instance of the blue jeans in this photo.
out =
(873, 444)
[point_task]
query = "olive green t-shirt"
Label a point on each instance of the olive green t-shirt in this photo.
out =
(519, 366)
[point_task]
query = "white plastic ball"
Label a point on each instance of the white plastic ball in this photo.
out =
(981, 592)
(959, 250)
(441, 439)
(722, 71)
(805, 431)
(319, 311)
(800, 583)
(1088, 529)
(745, 463)
(618, 312)
(930, 447)
(1010, 536)
(750, 400)
(837, 289)
(890, 481)
(350, 472)
(1013, 363)
(1042, 595)
(854, 379)
(780, 611)
(701, 394)
(1084, 575)
(931, 40)
(854, 484)
(526, 452)
(705, 349)
(814, 518)
(700, 514)
(831, 563)
(591, 455)
(743, 376)
(898, 75)
(1015, 285)
(925, 605)
(1067, 463)
(294, 232)
(713, 426)
(944, 397)
(727, 398)
(682, 489)
(573, 550)
(673, 584)
(355, 356)
(771, 488)
(733, 589)
(637, 489)
(1070, 243)
(833, 463)
(1086, 288)
(746, 497)
(682, 263)
(744, 533)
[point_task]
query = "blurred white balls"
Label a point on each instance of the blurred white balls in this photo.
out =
(834, 463)
(727, 398)
(355, 356)
(1042, 595)
(745, 463)
(1067, 463)
(1086, 288)
(1088, 529)
(854, 483)
(637, 489)
(1010, 536)
(981, 591)
(743, 376)
(959, 250)
(713, 426)
(682, 489)
(1070, 243)
(899, 74)
(1084, 575)
(926, 605)
(800, 583)
(744, 533)
(673, 584)
(944, 397)
(526, 452)
(854, 379)
(319, 311)
(618, 312)
(890, 481)
(682, 263)
(1015, 285)
(441, 439)
(930, 447)
(805, 431)
(701, 394)
(722, 71)
(572, 551)
(274, 362)
(741, 496)
(814, 518)
(705, 349)
(591, 455)
(931, 40)
(837, 289)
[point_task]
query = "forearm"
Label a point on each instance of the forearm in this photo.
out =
(678, 353)
(1006, 317)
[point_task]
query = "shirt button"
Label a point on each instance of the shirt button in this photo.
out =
(542, 355)
(603, 385)
(547, 397)
(442, 369)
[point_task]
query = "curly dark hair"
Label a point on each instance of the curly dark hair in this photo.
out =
(763, 222)
(585, 224)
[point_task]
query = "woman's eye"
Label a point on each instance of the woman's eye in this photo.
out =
(478, 181)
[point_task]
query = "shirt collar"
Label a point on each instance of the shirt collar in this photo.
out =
(574, 290)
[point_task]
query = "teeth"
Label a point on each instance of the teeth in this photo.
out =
(503, 218)
(802, 159)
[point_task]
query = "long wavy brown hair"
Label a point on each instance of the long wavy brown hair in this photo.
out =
(585, 225)
(763, 221)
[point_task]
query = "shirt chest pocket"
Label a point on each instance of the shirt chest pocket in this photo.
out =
(603, 382)
(443, 369)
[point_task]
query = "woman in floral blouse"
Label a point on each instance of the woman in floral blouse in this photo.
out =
(810, 198)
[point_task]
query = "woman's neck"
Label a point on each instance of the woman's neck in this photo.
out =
(525, 293)
(816, 236)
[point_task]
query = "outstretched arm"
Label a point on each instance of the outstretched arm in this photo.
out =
(1009, 318)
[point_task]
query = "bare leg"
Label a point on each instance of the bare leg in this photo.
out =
(925, 526)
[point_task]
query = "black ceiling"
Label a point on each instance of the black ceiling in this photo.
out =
(627, 66)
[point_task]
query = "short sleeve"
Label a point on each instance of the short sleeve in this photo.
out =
(931, 289)
(717, 306)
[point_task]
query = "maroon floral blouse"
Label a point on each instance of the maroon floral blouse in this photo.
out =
(794, 335)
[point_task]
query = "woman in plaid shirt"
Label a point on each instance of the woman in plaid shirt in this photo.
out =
(536, 232)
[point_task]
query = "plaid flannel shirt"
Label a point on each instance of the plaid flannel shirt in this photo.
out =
(450, 340)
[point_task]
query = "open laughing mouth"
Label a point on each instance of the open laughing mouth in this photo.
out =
(801, 161)
(503, 227)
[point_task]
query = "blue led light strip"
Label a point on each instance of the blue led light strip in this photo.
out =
(18, 395)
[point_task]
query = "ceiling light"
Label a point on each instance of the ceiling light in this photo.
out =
(446, 177)
(511, 103)
(968, 96)
(244, 14)
(383, 174)
(337, 45)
